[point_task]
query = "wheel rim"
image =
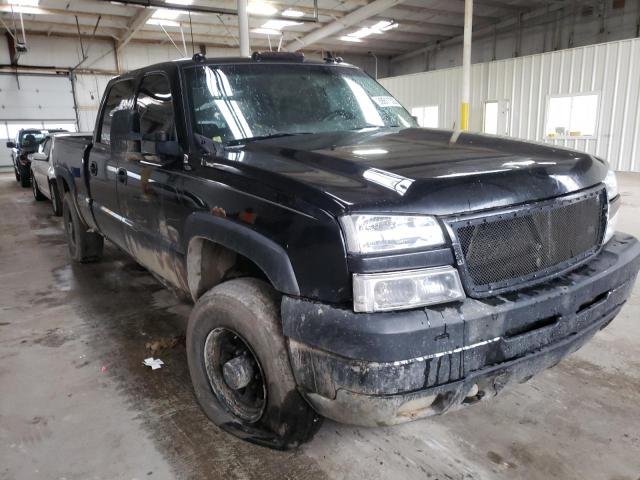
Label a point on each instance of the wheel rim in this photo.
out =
(225, 347)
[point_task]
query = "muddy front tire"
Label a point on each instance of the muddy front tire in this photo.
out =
(84, 246)
(240, 367)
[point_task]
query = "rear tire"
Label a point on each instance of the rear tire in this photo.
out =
(84, 246)
(37, 194)
(25, 178)
(56, 201)
(237, 320)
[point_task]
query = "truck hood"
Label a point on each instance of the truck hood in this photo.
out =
(422, 170)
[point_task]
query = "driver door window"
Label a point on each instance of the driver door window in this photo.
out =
(155, 107)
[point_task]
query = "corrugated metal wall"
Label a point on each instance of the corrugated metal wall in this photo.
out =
(610, 69)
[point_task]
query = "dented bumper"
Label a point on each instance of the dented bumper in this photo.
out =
(387, 368)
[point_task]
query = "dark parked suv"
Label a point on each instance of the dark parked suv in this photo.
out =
(343, 262)
(27, 141)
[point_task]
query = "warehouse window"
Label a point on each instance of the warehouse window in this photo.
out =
(68, 126)
(427, 116)
(572, 116)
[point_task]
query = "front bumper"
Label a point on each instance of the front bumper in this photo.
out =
(387, 368)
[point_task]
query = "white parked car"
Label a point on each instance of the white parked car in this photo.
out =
(43, 178)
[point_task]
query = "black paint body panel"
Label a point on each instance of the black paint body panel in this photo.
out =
(289, 191)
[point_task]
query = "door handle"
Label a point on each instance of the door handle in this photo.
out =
(93, 168)
(122, 175)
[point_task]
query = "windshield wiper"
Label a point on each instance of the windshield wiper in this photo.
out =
(241, 141)
(373, 126)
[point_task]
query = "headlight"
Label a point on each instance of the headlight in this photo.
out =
(611, 184)
(409, 289)
(612, 223)
(383, 233)
(612, 219)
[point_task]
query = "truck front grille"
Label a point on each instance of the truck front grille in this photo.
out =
(500, 251)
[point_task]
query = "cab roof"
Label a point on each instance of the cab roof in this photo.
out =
(280, 58)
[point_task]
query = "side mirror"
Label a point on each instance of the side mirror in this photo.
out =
(170, 149)
(11, 144)
(38, 157)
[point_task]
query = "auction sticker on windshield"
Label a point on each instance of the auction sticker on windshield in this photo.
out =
(386, 101)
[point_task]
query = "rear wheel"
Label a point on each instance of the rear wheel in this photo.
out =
(37, 194)
(84, 246)
(56, 201)
(240, 367)
(25, 178)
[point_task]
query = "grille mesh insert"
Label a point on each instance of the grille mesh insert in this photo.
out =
(510, 249)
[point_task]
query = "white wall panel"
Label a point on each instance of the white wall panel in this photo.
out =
(610, 69)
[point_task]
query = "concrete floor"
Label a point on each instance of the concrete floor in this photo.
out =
(77, 403)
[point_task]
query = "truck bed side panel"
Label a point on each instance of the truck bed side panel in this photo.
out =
(69, 161)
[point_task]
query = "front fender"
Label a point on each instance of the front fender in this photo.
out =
(268, 255)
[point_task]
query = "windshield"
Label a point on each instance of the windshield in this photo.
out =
(235, 102)
(29, 138)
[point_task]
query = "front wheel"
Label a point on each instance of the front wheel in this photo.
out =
(240, 367)
(84, 246)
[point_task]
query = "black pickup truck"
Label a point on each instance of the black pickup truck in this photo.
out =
(343, 262)
(27, 141)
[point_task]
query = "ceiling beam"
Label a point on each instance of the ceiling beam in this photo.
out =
(353, 18)
(498, 4)
(439, 12)
(136, 24)
(482, 31)
(418, 26)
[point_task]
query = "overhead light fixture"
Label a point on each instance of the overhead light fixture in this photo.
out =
(347, 38)
(179, 2)
(383, 26)
(261, 8)
(278, 24)
(168, 14)
(267, 31)
(22, 9)
(290, 12)
(163, 22)
(376, 29)
(370, 151)
(24, 3)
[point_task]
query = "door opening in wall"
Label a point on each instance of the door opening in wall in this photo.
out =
(495, 118)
